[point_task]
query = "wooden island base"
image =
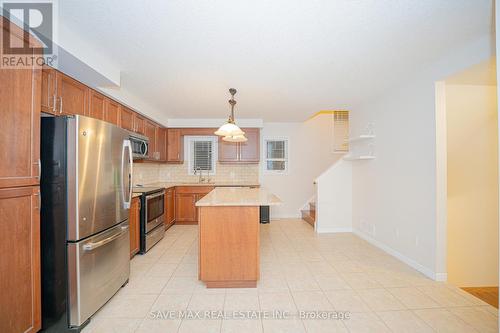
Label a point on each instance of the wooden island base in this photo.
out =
(229, 246)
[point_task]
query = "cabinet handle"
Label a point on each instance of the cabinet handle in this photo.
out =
(39, 195)
(54, 103)
(60, 104)
(39, 169)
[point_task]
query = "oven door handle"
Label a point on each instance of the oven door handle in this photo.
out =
(93, 246)
(127, 200)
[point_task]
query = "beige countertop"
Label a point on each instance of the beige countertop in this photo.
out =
(215, 184)
(135, 195)
(239, 196)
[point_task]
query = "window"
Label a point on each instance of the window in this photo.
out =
(202, 154)
(341, 131)
(276, 155)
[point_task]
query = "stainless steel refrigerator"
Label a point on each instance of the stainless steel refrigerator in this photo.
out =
(86, 188)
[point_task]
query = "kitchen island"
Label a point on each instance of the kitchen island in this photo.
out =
(229, 236)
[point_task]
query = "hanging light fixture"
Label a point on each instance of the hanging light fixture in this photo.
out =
(230, 131)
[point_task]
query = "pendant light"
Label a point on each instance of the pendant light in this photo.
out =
(230, 131)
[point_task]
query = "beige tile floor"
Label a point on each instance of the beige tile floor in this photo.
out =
(299, 271)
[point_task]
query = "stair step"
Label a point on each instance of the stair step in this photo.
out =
(308, 217)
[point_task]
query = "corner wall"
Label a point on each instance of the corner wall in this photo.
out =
(472, 137)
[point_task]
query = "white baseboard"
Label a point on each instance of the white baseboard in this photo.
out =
(410, 262)
(441, 277)
(284, 217)
(332, 230)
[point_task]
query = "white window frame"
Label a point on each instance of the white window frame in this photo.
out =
(188, 142)
(265, 159)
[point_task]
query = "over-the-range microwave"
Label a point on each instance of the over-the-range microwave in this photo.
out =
(140, 145)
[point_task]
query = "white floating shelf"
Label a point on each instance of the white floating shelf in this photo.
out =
(362, 138)
(359, 158)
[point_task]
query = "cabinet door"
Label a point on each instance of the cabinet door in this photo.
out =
(161, 143)
(250, 150)
(134, 225)
(20, 95)
(185, 209)
(20, 303)
(228, 151)
(97, 105)
(112, 114)
(150, 132)
(72, 96)
(127, 119)
(48, 98)
(175, 146)
(169, 207)
(139, 124)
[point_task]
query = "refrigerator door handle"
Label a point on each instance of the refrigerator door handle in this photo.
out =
(128, 200)
(93, 246)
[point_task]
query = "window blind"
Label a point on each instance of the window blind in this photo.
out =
(341, 131)
(202, 155)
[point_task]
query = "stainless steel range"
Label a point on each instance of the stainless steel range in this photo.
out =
(152, 216)
(86, 188)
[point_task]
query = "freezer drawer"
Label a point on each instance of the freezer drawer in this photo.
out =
(97, 268)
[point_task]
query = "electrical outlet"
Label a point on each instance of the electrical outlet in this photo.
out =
(374, 230)
(396, 231)
(417, 240)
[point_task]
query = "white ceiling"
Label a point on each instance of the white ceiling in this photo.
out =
(287, 58)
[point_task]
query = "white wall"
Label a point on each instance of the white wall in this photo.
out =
(310, 153)
(394, 196)
(472, 137)
(334, 198)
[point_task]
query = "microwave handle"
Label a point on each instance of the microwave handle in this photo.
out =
(127, 201)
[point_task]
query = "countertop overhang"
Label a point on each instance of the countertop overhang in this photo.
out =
(239, 196)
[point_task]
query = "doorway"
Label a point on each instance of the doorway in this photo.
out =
(469, 101)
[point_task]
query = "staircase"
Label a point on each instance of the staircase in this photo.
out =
(310, 215)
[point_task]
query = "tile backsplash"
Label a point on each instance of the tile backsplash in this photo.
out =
(148, 173)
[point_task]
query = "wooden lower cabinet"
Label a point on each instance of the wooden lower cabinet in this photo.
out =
(169, 207)
(186, 197)
(134, 226)
(185, 209)
(20, 303)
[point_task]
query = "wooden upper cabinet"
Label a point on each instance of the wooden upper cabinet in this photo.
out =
(97, 105)
(150, 132)
(139, 124)
(242, 152)
(127, 119)
(72, 95)
(49, 93)
(112, 112)
(250, 150)
(175, 146)
(20, 104)
(228, 151)
(161, 143)
(20, 304)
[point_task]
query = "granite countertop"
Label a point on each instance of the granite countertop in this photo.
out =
(135, 195)
(239, 196)
(215, 184)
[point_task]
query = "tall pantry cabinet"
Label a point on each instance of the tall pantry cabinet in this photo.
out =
(20, 104)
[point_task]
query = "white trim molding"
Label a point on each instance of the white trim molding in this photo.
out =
(410, 262)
